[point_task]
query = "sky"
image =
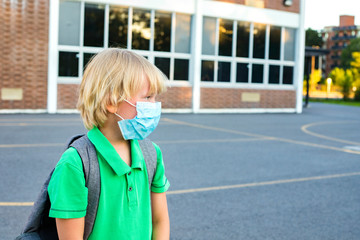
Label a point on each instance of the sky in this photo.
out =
(322, 13)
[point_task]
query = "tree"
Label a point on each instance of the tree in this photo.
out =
(344, 79)
(313, 38)
(355, 64)
(315, 78)
(356, 60)
(346, 55)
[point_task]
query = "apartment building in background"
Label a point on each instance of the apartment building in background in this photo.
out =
(337, 38)
(219, 56)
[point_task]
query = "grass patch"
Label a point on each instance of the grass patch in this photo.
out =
(337, 101)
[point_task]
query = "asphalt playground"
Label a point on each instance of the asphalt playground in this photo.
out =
(233, 176)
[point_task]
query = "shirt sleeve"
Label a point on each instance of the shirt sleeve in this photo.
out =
(160, 183)
(67, 191)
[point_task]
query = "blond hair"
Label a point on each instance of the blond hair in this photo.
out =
(112, 76)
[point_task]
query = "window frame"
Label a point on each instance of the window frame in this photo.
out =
(266, 61)
(150, 54)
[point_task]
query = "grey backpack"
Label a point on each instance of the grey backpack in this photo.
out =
(41, 226)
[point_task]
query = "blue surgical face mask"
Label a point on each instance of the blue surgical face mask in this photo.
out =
(145, 122)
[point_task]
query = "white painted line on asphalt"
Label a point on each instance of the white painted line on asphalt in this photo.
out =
(23, 124)
(263, 136)
(257, 184)
(158, 142)
(305, 129)
(210, 140)
(354, 148)
(32, 145)
(246, 185)
(40, 120)
(16, 203)
(216, 129)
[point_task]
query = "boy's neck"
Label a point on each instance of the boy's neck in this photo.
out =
(111, 131)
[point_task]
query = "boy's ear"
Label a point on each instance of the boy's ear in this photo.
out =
(111, 108)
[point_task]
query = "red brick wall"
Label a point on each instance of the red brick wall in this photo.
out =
(181, 97)
(176, 97)
(67, 96)
(272, 4)
(231, 98)
(24, 51)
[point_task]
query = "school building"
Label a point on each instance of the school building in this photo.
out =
(220, 56)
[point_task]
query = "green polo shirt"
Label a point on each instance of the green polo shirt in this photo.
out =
(124, 210)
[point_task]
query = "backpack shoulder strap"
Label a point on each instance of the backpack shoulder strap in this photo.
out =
(87, 153)
(150, 156)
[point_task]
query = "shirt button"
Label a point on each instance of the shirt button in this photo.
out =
(130, 189)
(129, 173)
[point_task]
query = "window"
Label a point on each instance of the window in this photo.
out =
(87, 57)
(243, 35)
(141, 32)
(171, 40)
(225, 37)
(69, 23)
(275, 40)
(69, 64)
(259, 40)
(289, 47)
(207, 71)
(118, 27)
(164, 65)
(182, 33)
(242, 73)
(257, 73)
(162, 32)
(279, 42)
(181, 69)
(274, 74)
(164, 38)
(288, 75)
(208, 36)
(224, 71)
(94, 25)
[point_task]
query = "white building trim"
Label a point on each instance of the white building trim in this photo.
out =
(183, 6)
(196, 48)
(300, 58)
(250, 14)
(53, 56)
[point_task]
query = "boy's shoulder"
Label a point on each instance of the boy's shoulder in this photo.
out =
(70, 158)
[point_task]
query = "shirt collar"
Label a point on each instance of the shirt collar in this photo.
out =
(108, 152)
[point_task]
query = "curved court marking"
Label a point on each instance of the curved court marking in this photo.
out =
(263, 137)
(257, 184)
(245, 185)
(305, 130)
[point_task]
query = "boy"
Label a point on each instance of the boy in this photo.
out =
(117, 105)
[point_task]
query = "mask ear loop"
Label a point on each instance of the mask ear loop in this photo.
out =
(119, 116)
(129, 103)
